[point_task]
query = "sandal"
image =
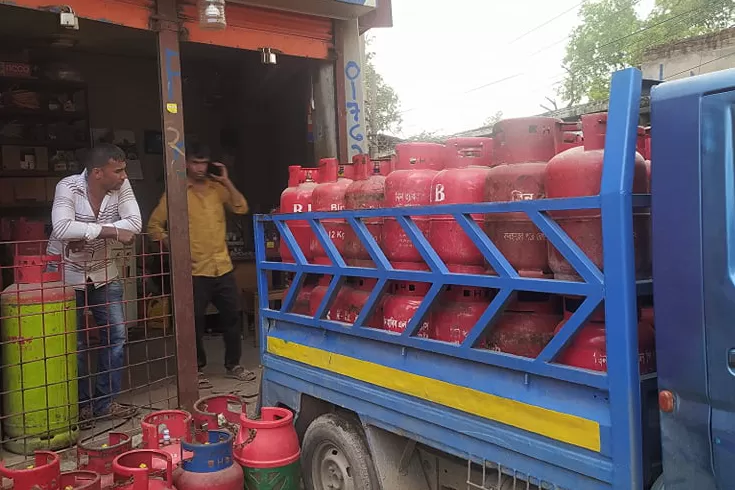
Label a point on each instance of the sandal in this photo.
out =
(241, 374)
(204, 383)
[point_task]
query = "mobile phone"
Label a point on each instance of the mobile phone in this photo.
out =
(213, 169)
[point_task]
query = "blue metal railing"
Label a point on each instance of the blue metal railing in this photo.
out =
(616, 287)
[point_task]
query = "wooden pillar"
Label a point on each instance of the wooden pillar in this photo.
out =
(176, 188)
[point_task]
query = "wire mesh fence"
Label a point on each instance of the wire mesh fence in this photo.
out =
(86, 342)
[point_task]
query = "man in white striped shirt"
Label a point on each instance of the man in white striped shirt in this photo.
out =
(91, 210)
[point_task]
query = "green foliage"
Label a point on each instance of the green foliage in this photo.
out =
(611, 36)
(382, 105)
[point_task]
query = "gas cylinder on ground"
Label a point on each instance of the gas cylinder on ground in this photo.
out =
(366, 192)
(211, 464)
(462, 182)
(357, 297)
(297, 199)
(522, 148)
(578, 172)
(329, 195)
(588, 348)
(43, 473)
(458, 311)
(401, 304)
(268, 450)
(301, 303)
(143, 469)
(526, 325)
(80, 480)
(165, 430)
(409, 185)
(39, 355)
(337, 310)
(218, 412)
(97, 455)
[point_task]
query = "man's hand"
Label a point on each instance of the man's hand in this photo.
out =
(224, 176)
(125, 237)
(75, 246)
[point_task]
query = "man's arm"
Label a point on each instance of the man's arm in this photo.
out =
(128, 210)
(233, 200)
(63, 219)
(158, 221)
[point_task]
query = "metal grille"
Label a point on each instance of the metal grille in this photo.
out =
(489, 476)
(78, 358)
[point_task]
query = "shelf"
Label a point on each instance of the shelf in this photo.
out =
(57, 145)
(27, 205)
(42, 82)
(14, 112)
(21, 174)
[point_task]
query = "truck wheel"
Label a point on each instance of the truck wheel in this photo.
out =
(334, 456)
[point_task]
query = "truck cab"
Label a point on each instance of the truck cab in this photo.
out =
(693, 201)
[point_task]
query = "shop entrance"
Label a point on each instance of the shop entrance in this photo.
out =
(63, 91)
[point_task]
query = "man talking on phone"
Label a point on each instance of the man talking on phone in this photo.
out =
(210, 192)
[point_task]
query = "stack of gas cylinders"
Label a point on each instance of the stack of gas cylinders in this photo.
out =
(526, 159)
(216, 448)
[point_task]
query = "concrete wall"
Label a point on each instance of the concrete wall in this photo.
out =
(695, 56)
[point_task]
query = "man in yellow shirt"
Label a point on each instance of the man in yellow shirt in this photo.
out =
(210, 192)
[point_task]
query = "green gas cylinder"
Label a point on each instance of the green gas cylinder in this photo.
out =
(38, 356)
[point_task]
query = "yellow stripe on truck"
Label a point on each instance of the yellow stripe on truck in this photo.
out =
(560, 426)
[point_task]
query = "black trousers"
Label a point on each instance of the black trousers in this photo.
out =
(222, 292)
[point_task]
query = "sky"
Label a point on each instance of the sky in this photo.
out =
(454, 64)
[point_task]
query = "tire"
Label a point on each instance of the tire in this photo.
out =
(335, 456)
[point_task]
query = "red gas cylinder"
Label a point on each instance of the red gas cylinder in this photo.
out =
(80, 480)
(211, 465)
(578, 172)
(646, 304)
(523, 147)
(165, 430)
(588, 348)
(459, 185)
(297, 199)
(408, 185)
(366, 192)
(301, 303)
(465, 152)
(401, 305)
(97, 456)
(218, 412)
(43, 474)
(526, 326)
(143, 469)
(337, 310)
(29, 237)
(355, 300)
(458, 310)
(268, 449)
(329, 195)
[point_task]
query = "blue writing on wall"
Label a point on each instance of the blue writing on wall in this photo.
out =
(352, 72)
(169, 54)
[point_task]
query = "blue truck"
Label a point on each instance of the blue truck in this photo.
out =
(380, 410)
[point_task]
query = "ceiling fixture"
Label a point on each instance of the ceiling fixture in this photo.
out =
(212, 14)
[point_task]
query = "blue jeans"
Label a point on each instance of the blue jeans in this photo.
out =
(106, 305)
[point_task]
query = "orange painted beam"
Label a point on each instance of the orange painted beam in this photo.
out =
(253, 28)
(129, 13)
